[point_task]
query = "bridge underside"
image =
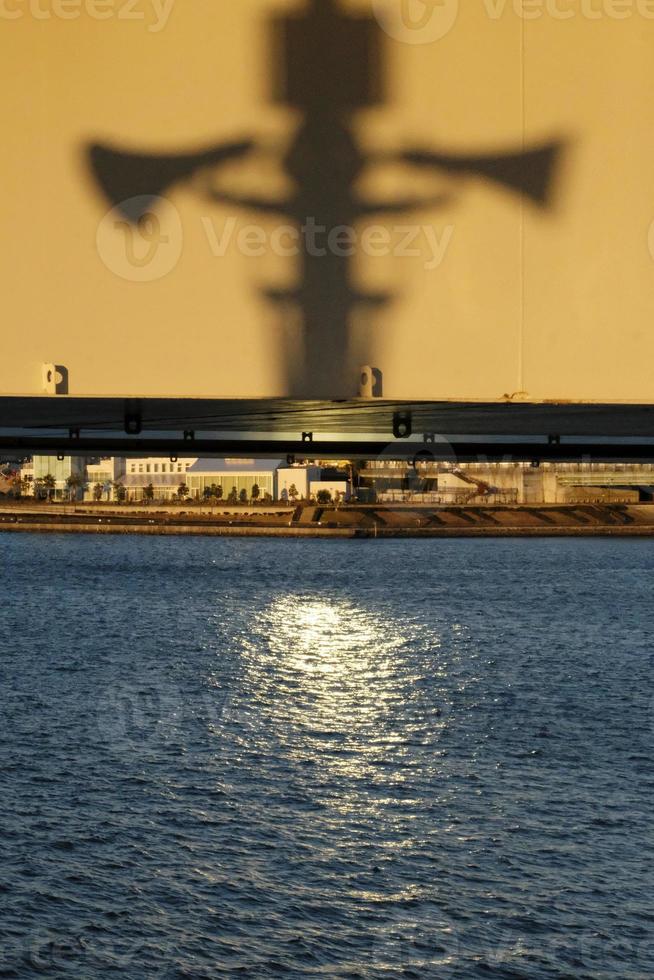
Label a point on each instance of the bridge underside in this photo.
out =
(323, 429)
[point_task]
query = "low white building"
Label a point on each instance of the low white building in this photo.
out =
(163, 474)
(298, 477)
(233, 479)
(339, 490)
(107, 470)
(52, 475)
(157, 466)
(104, 474)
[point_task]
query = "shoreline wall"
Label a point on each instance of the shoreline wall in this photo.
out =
(576, 520)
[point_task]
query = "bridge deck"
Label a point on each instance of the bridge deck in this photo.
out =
(358, 428)
(354, 416)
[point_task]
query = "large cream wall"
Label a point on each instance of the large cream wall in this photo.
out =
(526, 302)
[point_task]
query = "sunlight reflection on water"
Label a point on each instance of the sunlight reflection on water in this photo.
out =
(400, 759)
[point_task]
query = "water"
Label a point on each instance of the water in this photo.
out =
(376, 759)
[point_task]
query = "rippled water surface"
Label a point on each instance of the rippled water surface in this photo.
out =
(326, 758)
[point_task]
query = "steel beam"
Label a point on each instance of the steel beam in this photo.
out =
(459, 451)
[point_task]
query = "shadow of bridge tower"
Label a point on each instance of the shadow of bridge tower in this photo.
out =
(328, 65)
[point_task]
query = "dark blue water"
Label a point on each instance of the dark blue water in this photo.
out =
(326, 758)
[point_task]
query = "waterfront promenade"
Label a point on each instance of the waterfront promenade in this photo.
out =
(353, 521)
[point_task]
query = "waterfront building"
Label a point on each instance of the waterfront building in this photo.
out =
(157, 466)
(163, 474)
(104, 473)
(27, 470)
(332, 481)
(396, 481)
(108, 469)
(61, 470)
(381, 480)
(299, 477)
(235, 477)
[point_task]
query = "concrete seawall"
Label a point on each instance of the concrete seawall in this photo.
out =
(59, 527)
(516, 532)
(625, 520)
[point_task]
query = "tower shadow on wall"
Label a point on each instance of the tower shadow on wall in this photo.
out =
(328, 66)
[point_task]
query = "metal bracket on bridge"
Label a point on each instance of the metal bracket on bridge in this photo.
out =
(133, 421)
(402, 425)
(54, 379)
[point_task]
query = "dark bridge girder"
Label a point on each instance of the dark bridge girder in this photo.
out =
(461, 451)
(360, 428)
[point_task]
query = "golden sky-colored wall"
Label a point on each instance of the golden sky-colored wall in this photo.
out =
(552, 300)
